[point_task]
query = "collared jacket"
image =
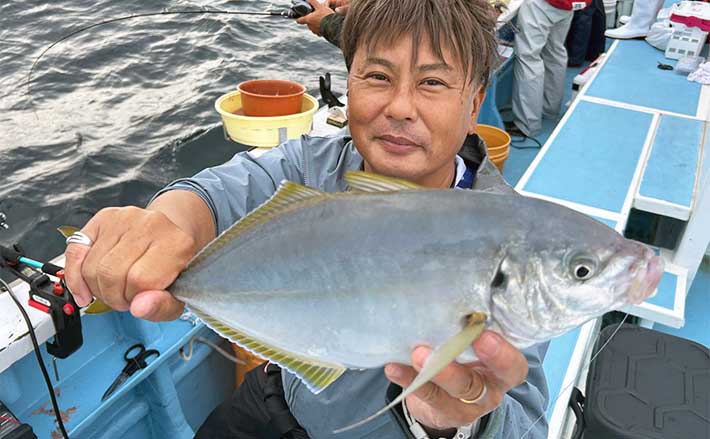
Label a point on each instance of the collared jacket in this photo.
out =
(238, 186)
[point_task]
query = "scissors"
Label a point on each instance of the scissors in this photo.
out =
(135, 358)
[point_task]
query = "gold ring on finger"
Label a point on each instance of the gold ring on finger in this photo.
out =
(477, 399)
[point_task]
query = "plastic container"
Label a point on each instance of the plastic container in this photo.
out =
(688, 64)
(497, 142)
(685, 41)
(250, 362)
(264, 132)
(496, 139)
(271, 97)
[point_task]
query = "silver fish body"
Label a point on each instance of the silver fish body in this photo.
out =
(360, 279)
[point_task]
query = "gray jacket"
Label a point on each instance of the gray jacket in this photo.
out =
(233, 189)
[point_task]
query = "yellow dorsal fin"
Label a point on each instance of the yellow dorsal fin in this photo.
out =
(315, 374)
(286, 196)
(367, 182)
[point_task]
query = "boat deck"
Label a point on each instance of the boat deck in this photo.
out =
(643, 140)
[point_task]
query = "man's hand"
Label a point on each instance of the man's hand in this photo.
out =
(136, 254)
(438, 404)
(320, 10)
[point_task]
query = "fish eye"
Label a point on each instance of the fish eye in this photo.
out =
(583, 269)
(499, 279)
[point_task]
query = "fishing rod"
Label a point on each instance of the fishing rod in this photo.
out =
(299, 8)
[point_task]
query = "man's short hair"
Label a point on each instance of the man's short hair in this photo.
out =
(466, 27)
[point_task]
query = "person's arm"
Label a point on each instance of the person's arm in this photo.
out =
(331, 27)
(237, 187)
(326, 22)
(136, 254)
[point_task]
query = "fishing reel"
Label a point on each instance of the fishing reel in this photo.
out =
(3, 224)
(300, 8)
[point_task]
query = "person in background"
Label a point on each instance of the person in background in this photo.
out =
(643, 15)
(327, 19)
(540, 62)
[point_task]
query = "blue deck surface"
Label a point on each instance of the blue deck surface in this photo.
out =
(631, 76)
(671, 168)
(601, 183)
(608, 222)
(697, 322)
(168, 399)
(606, 142)
(665, 296)
(555, 364)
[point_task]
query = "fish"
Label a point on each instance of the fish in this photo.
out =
(319, 283)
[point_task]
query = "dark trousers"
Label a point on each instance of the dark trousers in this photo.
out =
(256, 410)
(585, 40)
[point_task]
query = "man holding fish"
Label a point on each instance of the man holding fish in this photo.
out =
(340, 290)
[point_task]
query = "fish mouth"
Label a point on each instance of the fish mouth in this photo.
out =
(647, 279)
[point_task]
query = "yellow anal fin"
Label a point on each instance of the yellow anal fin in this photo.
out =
(97, 306)
(67, 231)
(315, 374)
(287, 195)
(438, 360)
(367, 182)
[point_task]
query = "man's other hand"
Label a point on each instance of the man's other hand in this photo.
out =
(438, 404)
(135, 256)
(313, 20)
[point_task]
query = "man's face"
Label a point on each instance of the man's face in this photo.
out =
(409, 120)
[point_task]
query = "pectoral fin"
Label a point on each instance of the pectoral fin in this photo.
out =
(315, 374)
(437, 361)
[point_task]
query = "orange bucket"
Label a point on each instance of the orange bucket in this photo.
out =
(271, 97)
(497, 142)
(251, 361)
(496, 139)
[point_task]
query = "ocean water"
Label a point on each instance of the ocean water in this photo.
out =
(110, 109)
